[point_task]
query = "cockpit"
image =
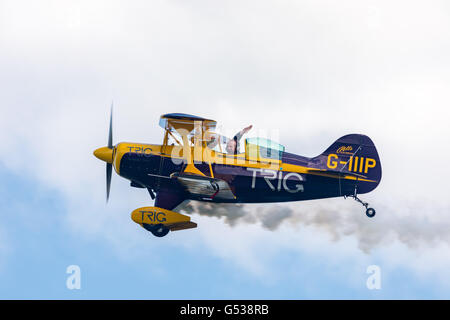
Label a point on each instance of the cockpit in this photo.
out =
(189, 131)
(254, 148)
(258, 148)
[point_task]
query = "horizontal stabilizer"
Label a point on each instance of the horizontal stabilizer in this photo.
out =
(336, 173)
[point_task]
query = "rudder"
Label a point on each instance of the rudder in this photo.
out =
(356, 155)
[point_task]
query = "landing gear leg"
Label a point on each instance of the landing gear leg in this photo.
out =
(370, 212)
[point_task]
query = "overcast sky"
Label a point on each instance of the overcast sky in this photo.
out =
(306, 72)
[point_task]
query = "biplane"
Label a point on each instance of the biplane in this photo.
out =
(186, 166)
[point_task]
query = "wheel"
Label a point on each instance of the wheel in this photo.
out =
(370, 212)
(159, 230)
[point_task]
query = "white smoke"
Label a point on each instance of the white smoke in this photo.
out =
(338, 220)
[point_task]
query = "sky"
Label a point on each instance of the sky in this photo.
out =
(305, 72)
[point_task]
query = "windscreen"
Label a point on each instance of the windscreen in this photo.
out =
(263, 148)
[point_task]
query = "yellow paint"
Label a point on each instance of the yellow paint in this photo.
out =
(187, 150)
(209, 160)
(156, 215)
(187, 125)
(197, 142)
(343, 175)
(344, 149)
(370, 163)
(177, 152)
(190, 168)
(332, 164)
(165, 141)
(104, 154)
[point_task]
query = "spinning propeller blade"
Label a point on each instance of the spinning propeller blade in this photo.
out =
(107, 154)
(108, 179)
(109, 165)
(110, 137)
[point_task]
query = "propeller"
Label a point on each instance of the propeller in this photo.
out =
(109, 165)
(106, 154)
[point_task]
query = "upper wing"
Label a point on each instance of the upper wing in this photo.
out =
(185, 122)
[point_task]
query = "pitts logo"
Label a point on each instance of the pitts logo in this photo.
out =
(153, 216)
(344, 149)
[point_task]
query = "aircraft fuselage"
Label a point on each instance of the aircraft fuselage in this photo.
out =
(289, 179)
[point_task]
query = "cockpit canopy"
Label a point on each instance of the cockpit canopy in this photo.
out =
(257, 148)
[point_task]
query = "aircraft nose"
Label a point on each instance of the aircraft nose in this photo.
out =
(104, 154)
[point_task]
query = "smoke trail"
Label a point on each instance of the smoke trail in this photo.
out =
(338, 221)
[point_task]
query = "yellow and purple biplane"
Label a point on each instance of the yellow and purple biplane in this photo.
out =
(187, 166)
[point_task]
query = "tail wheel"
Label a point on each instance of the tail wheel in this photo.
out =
(370, 212)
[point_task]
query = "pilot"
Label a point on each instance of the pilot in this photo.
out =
(232, 144)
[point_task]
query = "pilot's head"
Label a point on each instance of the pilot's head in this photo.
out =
(231, 146)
